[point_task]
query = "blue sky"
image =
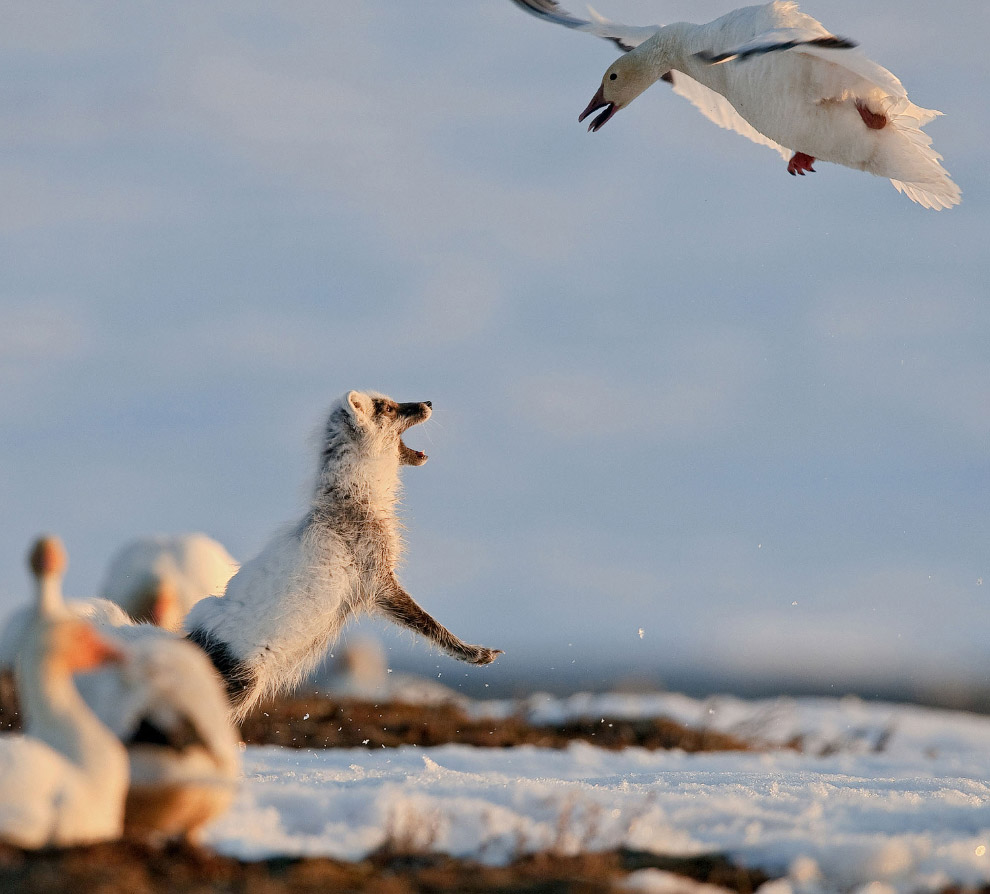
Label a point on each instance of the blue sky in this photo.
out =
(674, 388)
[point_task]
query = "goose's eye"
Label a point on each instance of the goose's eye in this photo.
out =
(612, 76)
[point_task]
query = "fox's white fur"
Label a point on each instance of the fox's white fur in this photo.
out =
(285, 607)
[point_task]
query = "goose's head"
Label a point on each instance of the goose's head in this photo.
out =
(48, 561)
(75, 646)
(625, 79)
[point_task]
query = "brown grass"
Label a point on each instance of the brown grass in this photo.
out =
(132, 869)
(320, 722)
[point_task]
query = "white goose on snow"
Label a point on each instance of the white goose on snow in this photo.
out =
(158, 579)
(166, 704)
(780, 78)
(64, 782)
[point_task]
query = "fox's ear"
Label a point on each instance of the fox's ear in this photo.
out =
(359, 405)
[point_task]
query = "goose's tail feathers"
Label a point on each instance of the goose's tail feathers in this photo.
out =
(925, 181)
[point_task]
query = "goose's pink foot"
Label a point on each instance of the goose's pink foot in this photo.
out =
(873, 120)
(800, 163)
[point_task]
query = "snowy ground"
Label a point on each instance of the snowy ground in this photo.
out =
(891, 796)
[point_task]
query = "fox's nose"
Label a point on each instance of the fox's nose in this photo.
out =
(429, 403)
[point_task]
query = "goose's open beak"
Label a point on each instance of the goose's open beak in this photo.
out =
(598, 101)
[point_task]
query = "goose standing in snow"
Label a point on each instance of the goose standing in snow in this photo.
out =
(158, 579)
(166, 704)
(780, 78)
(64, 782)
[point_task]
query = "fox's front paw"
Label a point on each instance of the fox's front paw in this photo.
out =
(482, 655)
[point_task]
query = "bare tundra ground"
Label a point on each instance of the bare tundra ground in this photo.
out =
(125, 868)
(316, 721)
(319, 722)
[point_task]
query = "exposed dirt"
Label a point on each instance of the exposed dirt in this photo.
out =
(132, 869)
(319, 722)
(10, 719)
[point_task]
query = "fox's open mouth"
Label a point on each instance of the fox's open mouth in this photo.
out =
(410, 457)
(413, 414)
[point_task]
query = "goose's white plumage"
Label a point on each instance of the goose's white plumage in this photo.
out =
(169, 707)
(64, 782)
(160, 578)
(45, 800)
(167, 704)
(779, 78)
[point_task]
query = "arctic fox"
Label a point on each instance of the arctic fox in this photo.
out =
(284, 608)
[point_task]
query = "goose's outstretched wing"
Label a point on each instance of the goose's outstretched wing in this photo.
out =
(625, 37)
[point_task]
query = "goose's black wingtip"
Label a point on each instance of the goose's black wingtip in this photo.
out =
(834, 43)
(831, 42)
(551, 11)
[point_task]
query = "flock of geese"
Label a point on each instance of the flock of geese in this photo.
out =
(141, 744)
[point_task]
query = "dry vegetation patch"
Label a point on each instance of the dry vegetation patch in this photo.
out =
(321, 722)
(122, 867)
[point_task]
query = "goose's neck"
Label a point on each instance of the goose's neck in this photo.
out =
(670, 48)
(56, 714)
(50, 601)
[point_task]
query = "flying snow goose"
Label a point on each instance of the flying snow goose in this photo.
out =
(158, 579)
(778, 77)
(64, 782)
